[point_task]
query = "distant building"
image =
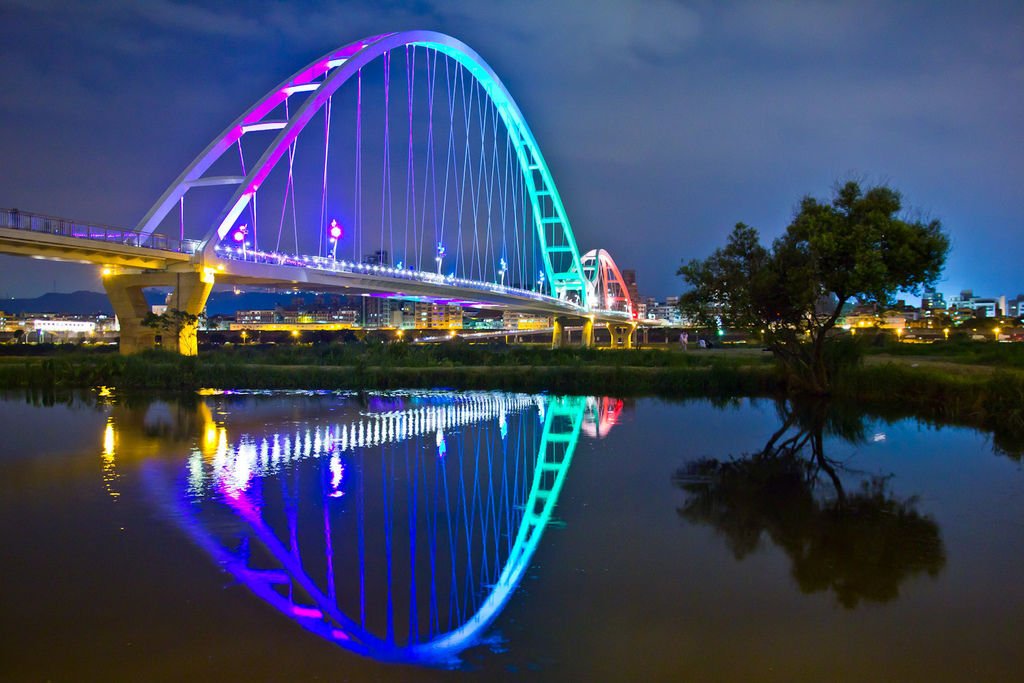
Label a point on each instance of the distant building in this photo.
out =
(380, 312)
(666, 311)
(376, 311)
(982, 307)
(960, 315)
(281, 318)
(1015, 306)
(909, 313)
(58, 330)
(514, 320)
(482, 319)
(932, 299)
(255, 317)
(629, 278)
(431, 316)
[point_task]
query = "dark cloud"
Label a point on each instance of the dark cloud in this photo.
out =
(665, 122)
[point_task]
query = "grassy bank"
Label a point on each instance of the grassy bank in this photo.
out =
(460, 367)
(993, 401)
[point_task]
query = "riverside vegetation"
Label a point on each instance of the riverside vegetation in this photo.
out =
(953, 383)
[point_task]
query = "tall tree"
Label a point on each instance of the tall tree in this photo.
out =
(854, 248)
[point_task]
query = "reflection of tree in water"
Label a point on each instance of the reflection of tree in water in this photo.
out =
(860, 544)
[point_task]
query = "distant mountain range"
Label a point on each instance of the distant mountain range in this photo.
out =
(92, 303)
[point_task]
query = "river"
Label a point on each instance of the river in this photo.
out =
(435, 535)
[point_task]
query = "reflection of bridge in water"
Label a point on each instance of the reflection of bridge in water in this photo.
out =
(398, 528)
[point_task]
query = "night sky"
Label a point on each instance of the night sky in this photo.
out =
(664, 122)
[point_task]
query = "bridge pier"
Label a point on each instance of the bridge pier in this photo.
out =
(130, 307)
(558, 333)
(561, 336)
(621, 336)
(190, 291)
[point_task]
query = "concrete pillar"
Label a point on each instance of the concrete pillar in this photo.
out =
(191, 289)
(628, 331)
(588, 333)
(190, 294)
(130, 307)
(557, 332)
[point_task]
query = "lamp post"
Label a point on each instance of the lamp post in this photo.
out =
(440, 257)
(540, 282)
(239, 237)
(502, 267)
(335, 232)
(996, 331)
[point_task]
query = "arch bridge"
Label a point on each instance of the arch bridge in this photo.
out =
(395, 166)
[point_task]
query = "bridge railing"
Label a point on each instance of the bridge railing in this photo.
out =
(372, 270)
(63, 227)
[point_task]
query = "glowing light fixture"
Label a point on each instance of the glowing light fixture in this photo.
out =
(440, 257)
(335, 230)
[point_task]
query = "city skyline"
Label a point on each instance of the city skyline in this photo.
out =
(664, 123)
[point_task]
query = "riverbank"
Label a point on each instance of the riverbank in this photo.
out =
(581, 371)
(988, 397)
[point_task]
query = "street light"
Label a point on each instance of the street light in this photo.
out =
(440, 257)
(540, 282)
(945, 333)
(239, 236)
(502, 267)
(996, 330)
(335, 232)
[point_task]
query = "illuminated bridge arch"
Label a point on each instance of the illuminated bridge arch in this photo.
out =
(606, 290)
(247, 542)
(314, 86)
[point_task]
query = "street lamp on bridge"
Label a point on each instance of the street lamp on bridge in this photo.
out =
(440, 257)
(239, 236)
(335, 232)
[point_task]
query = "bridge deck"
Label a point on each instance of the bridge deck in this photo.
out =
(49, 237)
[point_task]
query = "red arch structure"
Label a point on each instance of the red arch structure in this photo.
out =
(607, 290)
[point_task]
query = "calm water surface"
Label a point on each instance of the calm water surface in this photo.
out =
(481, 536)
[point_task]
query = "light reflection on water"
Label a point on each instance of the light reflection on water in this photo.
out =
(398, 527)
(417, 528)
